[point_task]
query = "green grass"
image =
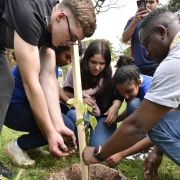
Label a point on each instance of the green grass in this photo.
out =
(45, 165)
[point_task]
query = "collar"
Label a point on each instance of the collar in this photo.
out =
(174, 41)
(141, 78)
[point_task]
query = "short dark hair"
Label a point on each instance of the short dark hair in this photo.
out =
(126, 70)
(156, 17)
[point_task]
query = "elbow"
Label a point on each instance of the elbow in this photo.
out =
(134, 128)
(123, 39)
(140, 130)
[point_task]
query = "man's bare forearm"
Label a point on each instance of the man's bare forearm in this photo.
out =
(29, 65)
(128, 32)
(50, 86)
(133, 128)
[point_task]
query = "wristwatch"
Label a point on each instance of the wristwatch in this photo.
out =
(97, 153)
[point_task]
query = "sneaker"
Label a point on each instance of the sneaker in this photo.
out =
(17, 155)
(138, 156)
(129, 158)
(40, 150)
(6, 172)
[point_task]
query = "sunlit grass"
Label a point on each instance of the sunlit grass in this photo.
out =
(45, 165)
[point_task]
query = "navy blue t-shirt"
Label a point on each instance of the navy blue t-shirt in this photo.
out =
(18, 94)
(137, 52)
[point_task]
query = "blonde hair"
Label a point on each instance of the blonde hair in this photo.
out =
(83, 13)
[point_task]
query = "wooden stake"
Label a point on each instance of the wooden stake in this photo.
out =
(78, 95)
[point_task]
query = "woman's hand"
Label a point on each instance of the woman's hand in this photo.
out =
(112, 114)
(88, 101)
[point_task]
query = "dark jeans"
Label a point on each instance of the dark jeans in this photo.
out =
(19, 117)
(149, 71)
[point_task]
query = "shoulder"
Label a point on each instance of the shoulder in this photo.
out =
(29, 19)
(131, 18)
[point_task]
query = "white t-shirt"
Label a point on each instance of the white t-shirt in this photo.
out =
(165, 86)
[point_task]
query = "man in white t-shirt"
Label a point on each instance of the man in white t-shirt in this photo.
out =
(159, 34)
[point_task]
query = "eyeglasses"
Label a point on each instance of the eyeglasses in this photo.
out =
(71, 42)
(154, 30)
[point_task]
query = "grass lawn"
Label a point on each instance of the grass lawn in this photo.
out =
(46, 164)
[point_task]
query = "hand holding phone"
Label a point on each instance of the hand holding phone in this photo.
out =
(141, 4)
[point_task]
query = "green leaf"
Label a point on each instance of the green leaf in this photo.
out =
(72, 101)
(3, 178)
(80, 106)
(89, 108)
(79, 121)
(93, 121)
(84, 128)
(85, 108)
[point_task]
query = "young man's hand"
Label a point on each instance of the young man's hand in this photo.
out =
(140, 14)
(57, 146)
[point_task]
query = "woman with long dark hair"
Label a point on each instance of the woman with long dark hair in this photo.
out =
(98, 91)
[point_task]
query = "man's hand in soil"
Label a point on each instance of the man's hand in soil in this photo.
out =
(88, 156)
(151, 164)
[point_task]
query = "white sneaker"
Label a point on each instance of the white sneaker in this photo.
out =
(138, 156)
(129, 158)
(17, 155)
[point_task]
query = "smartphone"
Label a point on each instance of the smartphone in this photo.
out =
(141, 3)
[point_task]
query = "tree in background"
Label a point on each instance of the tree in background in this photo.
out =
(112, 49)
(105, 5)
(123, 48)
(174, 6)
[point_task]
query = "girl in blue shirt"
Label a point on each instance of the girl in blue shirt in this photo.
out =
(132, 86)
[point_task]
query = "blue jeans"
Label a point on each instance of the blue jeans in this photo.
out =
(101, 133)
(132, 105)
(19, 117)
(166, 135)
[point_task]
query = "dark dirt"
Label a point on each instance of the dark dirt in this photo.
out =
(97, 172)
(68, 142)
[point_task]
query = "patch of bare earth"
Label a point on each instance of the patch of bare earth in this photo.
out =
(97, 172)
(73, 172)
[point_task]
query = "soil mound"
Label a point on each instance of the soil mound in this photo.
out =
(97, 172)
